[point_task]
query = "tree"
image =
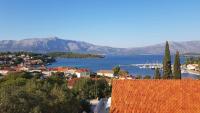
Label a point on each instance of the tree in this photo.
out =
(22, 94)
(116, 70)
(86, 88)
(177, 67)
(199, 65)
(123, 73)
(147, 77)
(157, 74)
(167, 72)
(85, 106)
(138, 77)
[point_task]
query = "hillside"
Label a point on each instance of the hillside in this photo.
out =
(54, 44)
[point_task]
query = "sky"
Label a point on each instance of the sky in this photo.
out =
(116, 23)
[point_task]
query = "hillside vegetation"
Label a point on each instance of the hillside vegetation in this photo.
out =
(73, 55)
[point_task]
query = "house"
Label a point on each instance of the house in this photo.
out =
(35, 70)
(192, 66)
(125, 77)
(4, 72)
(47, 73)
(107, 73)
(22, 68)
(82, 73)
(65, 70)
(70, 71)
(155, 96)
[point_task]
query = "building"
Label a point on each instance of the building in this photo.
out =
(4, 72)
(155, 96)
(192, 66)
(107, 73)
(82, 73)
(47, 73)
(23, 68)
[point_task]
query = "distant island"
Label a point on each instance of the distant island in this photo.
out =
(73, 55)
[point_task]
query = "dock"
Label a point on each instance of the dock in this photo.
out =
(149, 66)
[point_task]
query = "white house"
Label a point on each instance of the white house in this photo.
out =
(108, 73)
(35, 70)
(192, 66)
(82, 73)
(70, 71)
(47, 73)
(4, 72)
(23, 69)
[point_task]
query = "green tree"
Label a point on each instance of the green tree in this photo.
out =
(22, 94)
(167, 72)
(103, 88)
(177, 67)
(147, 77)
(116, 70)
(157, 74)
(86, 88)
(138, 77)
(123, 73)
(85, 106)
(199, 65)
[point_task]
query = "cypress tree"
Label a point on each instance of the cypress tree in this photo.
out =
(177, 67)
(157, 74)
(199, 65)
(167, 71)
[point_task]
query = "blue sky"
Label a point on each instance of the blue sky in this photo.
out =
(117, 23)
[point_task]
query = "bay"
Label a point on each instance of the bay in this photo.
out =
(107, 63)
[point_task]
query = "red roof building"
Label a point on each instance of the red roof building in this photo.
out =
(155, 96)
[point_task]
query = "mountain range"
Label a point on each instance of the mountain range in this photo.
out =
(55, 44)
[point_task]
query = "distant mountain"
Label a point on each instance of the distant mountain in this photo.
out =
(54, 44)
(182, 47)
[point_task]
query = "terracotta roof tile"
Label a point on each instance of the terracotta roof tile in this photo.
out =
(155, 96)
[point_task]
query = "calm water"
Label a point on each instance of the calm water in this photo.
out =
(95, 64)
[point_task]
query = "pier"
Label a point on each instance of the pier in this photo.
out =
(150, 65)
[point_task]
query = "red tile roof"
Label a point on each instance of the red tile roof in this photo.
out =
(155, 96)
(82, 70)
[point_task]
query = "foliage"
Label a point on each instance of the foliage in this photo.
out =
(157, 74)
(85, 106)
(123, 73)
(147, 77)
(73, 55)
(20, 93)
(86, 88)
(192, 60)
(199, 65)
(116, 70)
(177, 67)
(167, 72)
(138, 77)
(15, 58)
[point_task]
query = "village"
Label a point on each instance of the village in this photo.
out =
(38, 63)
(81, 81)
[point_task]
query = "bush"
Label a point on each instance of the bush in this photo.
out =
(85, 106)
(21, 94)
(86, 88)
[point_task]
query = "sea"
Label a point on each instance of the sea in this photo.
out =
(125, 63)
